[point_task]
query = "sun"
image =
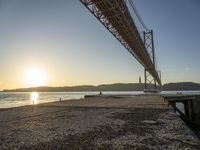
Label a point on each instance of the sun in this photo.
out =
(35, 77)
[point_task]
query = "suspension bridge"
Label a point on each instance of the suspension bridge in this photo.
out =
(116, 17)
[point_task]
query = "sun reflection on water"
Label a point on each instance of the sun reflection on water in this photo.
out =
(34, 98)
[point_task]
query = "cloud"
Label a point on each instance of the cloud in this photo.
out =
(166, 70)
(186, 69)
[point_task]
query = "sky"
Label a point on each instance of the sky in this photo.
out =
(68, 46)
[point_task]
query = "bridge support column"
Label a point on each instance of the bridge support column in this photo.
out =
(149, 45)
(149, 81)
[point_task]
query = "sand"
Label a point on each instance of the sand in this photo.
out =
(138, 122)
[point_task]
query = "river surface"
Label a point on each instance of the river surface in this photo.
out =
(16, 99)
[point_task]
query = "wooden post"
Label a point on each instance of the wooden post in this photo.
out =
(190, 109)
(186, 109)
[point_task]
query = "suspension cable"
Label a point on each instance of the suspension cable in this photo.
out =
(138, 15)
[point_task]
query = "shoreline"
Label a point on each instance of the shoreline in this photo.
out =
(37, 105)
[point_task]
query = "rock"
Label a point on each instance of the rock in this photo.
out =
(149, 121)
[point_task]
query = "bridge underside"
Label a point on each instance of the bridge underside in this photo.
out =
(115, 16)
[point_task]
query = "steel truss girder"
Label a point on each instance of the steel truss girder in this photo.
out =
(115, 16)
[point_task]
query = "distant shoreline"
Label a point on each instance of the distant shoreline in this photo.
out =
(90, 91)
(181, 86)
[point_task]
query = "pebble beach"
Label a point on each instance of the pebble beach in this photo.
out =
(137, 122)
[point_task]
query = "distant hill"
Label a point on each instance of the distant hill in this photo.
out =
(103, 87)
(181, 86)
(110, 87)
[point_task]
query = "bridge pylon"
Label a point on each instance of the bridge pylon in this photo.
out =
(149, 45)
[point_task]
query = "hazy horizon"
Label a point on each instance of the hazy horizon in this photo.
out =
(90, 85)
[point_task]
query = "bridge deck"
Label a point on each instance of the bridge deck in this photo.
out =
(115, 16)
(139, 122)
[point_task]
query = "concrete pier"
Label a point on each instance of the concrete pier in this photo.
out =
(191, 103)
(137, 122)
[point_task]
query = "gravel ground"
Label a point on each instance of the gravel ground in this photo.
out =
(63, 127)
(196, 129)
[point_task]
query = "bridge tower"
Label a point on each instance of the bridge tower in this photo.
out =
(117, 19)
(149, 45)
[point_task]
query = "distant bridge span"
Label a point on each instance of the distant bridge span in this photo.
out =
(115, 16)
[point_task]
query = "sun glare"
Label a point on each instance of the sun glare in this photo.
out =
(35, 77)
(34, 98)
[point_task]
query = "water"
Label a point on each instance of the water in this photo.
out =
(15, 99)
(182, 92)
